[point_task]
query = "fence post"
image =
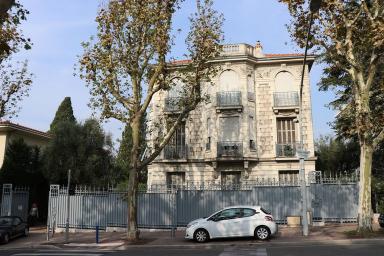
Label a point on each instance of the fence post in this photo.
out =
(174, 224)
(51, 221)
(6, 205)
(68, 208)
(97, 234)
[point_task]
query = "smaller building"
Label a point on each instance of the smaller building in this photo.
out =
(10, 131)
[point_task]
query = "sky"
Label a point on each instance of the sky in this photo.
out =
(57, 29)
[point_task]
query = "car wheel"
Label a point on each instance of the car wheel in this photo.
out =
(201, 236)
(262, 233)
(26, 232)
(6, 238)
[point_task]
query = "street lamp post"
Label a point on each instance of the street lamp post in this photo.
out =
(314, 7)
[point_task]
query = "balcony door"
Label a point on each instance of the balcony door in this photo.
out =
(176, 148)
(229, 129)
(286, 137)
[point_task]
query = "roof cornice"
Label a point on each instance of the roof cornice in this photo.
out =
(8, 126)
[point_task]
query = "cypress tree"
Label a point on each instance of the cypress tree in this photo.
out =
(63, 114)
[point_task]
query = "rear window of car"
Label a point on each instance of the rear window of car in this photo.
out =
(248, 212)
(265, 211)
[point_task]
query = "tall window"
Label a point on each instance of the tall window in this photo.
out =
(176, 147)
(286, 133)
(229, 128)
(178, 138)
(251, 128)
(209, 133)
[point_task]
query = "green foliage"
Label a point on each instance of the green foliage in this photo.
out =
(12, 39)
(15, 80)
(337, 156)
(63, 114)
(126, 66)
(350, 34)
(123, 159)
(83, 148)
(22, 164)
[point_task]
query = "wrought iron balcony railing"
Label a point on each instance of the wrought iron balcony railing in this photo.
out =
(175, 152)
(228, 99)
(172, 104)
(286, 149)
(230, 149)
(286, 99)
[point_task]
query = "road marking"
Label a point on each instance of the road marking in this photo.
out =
(56, 254)
(244, 252)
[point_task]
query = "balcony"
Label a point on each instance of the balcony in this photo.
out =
(228, 100)
(286, 100)
(237, 49)
(172, 152)
(230, 149)
(172, 104)
(286, 150)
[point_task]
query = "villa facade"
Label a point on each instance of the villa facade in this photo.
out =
(248, 130)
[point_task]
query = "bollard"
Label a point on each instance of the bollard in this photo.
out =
(97, 234)
(173, 230)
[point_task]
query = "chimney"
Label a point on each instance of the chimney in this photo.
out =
(259, 50)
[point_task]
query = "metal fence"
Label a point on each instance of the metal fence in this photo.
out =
(159, 208)
(14, 201)
(286, 150)
(286, 99)
(228, 99)
(175, 151)
(229, 149)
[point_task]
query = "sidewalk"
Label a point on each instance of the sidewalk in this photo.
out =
(116, 240)
(329, 234)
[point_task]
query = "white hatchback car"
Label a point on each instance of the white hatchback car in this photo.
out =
(234, 221)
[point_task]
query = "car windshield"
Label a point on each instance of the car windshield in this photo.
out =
(5, 221)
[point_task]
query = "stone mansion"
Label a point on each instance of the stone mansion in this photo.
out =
(249, 128)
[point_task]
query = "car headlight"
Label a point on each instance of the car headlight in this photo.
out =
(193, 223)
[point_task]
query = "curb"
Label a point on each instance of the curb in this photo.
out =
(41, 246)
(120, 246)
(113, 244)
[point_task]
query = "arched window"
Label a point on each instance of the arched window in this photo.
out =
(176, 88)
(285, 82)
(229, 81)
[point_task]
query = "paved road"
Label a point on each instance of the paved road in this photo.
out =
(370, 248)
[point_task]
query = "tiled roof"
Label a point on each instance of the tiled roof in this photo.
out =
(271, 55)
(24, 128)
(180, 62)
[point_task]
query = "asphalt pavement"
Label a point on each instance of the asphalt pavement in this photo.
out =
(328, 240)
(344, 248)
(364, 247)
